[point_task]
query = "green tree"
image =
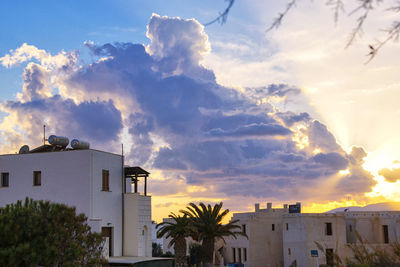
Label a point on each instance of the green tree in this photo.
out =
(177, 229)
(47, 234)
(156, 250)
(207, 221)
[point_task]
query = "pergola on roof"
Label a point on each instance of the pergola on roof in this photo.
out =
(135, 171)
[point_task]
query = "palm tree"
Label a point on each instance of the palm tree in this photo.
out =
(177, 229)
(207, 221)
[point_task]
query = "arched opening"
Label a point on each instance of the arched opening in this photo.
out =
(146, 241)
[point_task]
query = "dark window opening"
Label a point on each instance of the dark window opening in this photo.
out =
(107, 233)
(37, 178)
(385, 234)
(273, 227)
(240, 255)
(234, 254)
(328, 228)
(243, 228)
(351, 228)
(245, 254)
(105, 181)
(289, 251)
(4, 179)
(287, 227)
(329, 256)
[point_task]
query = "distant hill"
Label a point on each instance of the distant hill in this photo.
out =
(386, 206)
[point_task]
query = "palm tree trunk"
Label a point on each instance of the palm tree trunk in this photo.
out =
(180, 252)
(208, 251)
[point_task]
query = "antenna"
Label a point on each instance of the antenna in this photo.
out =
(44, 134)
(122, 149)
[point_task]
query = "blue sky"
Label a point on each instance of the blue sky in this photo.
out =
(66, 25)
(223, 113)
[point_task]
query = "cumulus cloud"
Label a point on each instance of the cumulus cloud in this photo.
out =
(180, 120)
(99, 122)
(391, 175)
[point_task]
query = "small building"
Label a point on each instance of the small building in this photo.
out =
(96, 182)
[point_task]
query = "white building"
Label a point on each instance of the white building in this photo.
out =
(281, 237)
(95, 182)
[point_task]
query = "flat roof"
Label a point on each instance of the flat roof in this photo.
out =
(131, 260)
(60, 151)
(136, 170)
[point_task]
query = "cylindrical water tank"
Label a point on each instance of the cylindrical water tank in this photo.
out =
(55, 140)
(78, 144)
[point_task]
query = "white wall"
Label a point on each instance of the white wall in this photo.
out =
(264, 245)
(306, 229)
(107, 205)
(74, 178)
(137, 225)
(65, 178)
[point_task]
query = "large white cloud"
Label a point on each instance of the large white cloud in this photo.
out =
(181, 121)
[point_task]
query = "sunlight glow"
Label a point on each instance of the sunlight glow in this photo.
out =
(344, 172)
(324, 207)
(317, 151)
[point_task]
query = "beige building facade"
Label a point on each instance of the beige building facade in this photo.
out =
(280, 237)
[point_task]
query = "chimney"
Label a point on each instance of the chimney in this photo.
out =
(285, 207)
(269, 205)
(257, 207)
(299, 205)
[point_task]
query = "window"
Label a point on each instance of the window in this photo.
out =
(37, 178)
(385, 234)
(329, 256)
(240, 255)
(105, 181)
(273, 227)
(289, 252)
(234, 254)
(245, 254)
(4, 179)
(107, 232)
(287, 227)
(243, 228)
(328, 228)
(351, 228)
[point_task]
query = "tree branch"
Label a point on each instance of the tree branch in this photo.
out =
(221, 19)
(277, 21)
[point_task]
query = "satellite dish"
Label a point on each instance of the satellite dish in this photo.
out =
(24, 149)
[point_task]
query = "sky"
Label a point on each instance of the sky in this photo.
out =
(230, 113)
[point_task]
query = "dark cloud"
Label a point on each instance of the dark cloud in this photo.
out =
(334, 160)
(290, 118)
(281, 90)
(97, 122)
(359, 180)
(320, 137)
(252, 130)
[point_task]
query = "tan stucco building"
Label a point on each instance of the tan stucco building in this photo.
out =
(278, 237)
